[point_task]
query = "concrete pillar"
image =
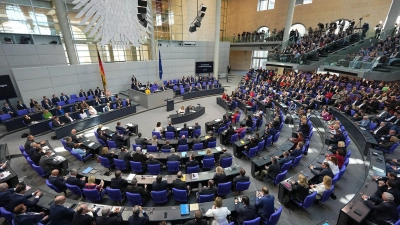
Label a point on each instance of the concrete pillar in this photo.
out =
(153, 49)
(62, 17)
(288, 24)
(216, 38)
(390, 19)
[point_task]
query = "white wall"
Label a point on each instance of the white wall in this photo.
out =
(203, 51)
(207, 30)
(36, 82)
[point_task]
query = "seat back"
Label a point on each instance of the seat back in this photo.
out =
(276, 137)
(341, 171)
(51, 124)
(269, 141)
(206, 198)
(50, 185)
(309, 200)
(101, 142)
(261, 146)
(38, 170)
(226, 162)
(22, 112)
(154, 133)
(234, 138)
(198, 146)
(183, 132)
(274, 218)
(136, 167)
(280, 177)
(92, 194)
(372, 126)
(286, 166)
(172, 166)
(224, 188)
(335, 179)
(134, 199)
(21, 148)
(348, 154)
(391, 150)
(183, 148)
(159, 197)
(212, 144)
(5, 116)
(154, 169)
(179, 195)
(114, 194)
(104, 162)
(169, 135)
(256, 221)
(193, 169)
(325, 196)
(62, 103)
(74, 189)
(73, 96)
(296, 160)
(111, 144)
(242, 134)
(151, 148)
(208, 163)
(120, 164)
(197, 131)
(252, 152)
(9, 216)
(241, 186)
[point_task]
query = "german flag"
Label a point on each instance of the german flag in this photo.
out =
(102, 73)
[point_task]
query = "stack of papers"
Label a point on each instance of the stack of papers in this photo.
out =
(129, 125)
(195, 176)
(377, 169)
(60, 158)
(194, 206)
(131, 176)
(217, 120)
(218, 148)
(5, 174)
(91, 144)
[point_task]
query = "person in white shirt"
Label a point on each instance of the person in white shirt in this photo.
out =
(218, 212)
(107, 108)
(322, 187)
(181, 110)
(92, 111)
(158, 128)
(332, 161)
(82, 114)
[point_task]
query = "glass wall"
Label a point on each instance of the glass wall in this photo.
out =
(167, 19)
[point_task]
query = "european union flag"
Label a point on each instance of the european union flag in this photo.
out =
(160, 71)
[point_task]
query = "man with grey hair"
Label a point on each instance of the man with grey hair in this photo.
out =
(109, 218)
(47, 162)
(138, 156)
(135, 219)
(152, 161)
(173, 156)
(81, 216)
(381, 130)
(182, 141)
(384, 211)
(178, 183)
(73, 180)
(5, 194)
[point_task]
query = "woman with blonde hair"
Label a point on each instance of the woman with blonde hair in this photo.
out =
(91, 184)
(208, 154)
(299, 188)
(99, 128)
(106, 154)
(154, 140)
(92, 111)
(218, 212)
(181, 110)
(322, 187)
(219, 176)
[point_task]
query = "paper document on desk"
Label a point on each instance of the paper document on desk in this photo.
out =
(60, 158)
(5, 174)
(195, 176)
(183, 177)
(91, 144)
(190, 127)
(217, 120)
(362, 128)
(129, 125)
(218, 148)
(377, 169)
(194, 206)
(131, 176)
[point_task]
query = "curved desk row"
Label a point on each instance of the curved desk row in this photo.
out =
(202, 93)
(12, 178)
(176, 118)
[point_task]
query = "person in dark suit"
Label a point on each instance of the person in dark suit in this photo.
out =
(210, 139)
(138, 156)
(248, 212)
(102, 137)
(381, 130)
(296, 151)
(90, 92)
(284, 159)
(67, 118)
(173, 156)
(185, 128)
(21, 106)
(219, 175)
(47, 162)
(320, 172)
(272, 170)
(124, 130)
(304, 127)
(22, 217)
(118, 139)
(265, 203)
(97, 101)
(139, 140)
(198, 219)
(82, 94)
(170, 128)
(118, 182)
(179, 184)
(159, 184)
(300, 188)
(97, 92)
(5, 195)
(9, 109)
(337, 137)
(73, 180)
(240, 178)
(81, 216)
(125, 155)
(383, 211)
(37, 154)
(210, 189)
(136, 189)
(183, 140)
(224, 154)
(197, 126)
(19, 197)
(192, 162)
(135, 219)
(47, 104)
(56, 180)
(109, 218)
(60, 215)
(55, 99)
(64, 97)
(229, 132)
(166, 146)
(75, 138)
(56, 122)
(152, 161)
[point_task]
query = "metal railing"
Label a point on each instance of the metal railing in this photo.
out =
(364, 63)
(251, 39)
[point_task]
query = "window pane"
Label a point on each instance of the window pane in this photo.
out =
(262, 5)
(271, 4)
(307, 1)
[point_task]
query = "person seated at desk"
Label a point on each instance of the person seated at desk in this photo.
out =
(320, 172)
(56, 180)
(124, 130)
(190, 89)
(47, 162)
(109, 218)
(198, 219)
(364, 123)
(47, 114)
(73, 180)
(92, 111)
(135, 219)
(196, 139)
(389, 186)
(84, 105)
(138, 156)
(240, 129)
(248, 212)
(38, 108)
(252, 144)
(27, 120)
(322, 187)
(159, 184)
(384, 211)
(240, 178)
(19, 197)
(76, 107)
(37, 155)
(178, 183)
(154, 141)
(158, 128)
(82, 94)
(297, 151)
(170, 128)
(284, 159)
(265, 203)
(218, 212)
(84, 215)
(59, 111)
(249, 122)
(75, 138)
(381, 130)
(388, 145)
(118, 182)
(210, 139)
(219, 176)
(22, 217)
(182, 141)
(152, 161)
(134, 188)
(300, 188)
(47, 104)
(97, 101)
(82, 114)
(166, 146)
(210, 189)
(333, 163)
(21, 106)
(192, 162)
(108, 155)
(118, 104)
(181, 111)
(107, 108)
(118, 139)
(54, 99)
(297, 140)
(125, 155)
(271, 171)
(56, 122)
(338, 136)
(67, 118)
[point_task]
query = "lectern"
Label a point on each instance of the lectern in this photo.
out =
(170, 104)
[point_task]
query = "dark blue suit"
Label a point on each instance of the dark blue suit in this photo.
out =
(5, 197)
(265, 205)
(28, 219)
(170, 129)
(136, 220)
(17, 199)
(64, 98)
(294, 154)
(122, 129)
(60, 215)
(182, 141)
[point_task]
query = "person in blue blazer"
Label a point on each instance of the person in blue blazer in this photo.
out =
(60, 215)
(135, 219)
(21, 217)
(265, 203)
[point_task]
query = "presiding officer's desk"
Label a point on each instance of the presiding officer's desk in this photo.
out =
(174, 142)
(83, 124)
(364, 139)
(196, 94)
(12, 178)
(177, 118)
(152, 100)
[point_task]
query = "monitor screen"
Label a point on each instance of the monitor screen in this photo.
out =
(6, 88)
(204, 67)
